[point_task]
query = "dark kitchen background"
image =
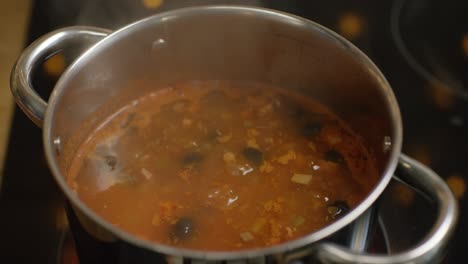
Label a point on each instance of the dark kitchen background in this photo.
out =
(420, 45)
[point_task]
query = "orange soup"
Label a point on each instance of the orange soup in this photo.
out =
(222, 166)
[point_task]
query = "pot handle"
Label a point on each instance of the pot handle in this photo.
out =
(430, 249)
(21, 75)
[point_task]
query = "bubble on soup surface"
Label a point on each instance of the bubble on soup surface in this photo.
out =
(338, 209)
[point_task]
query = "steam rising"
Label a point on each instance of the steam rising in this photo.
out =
(114, 14)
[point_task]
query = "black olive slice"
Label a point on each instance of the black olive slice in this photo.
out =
(254, 155)
(183, 228)
(192, 158)
(334, 156)
(311, 129)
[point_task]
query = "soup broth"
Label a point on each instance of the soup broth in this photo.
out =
(219, 165)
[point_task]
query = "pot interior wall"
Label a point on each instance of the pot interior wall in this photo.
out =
(221, 44)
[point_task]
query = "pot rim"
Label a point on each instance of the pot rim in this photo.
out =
(396, 136)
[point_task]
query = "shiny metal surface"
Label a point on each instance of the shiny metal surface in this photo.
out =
(431, 249)
(215, 45)
(361, 231)
(201, 53)
(28, 99)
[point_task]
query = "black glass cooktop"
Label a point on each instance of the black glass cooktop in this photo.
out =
(420, 45)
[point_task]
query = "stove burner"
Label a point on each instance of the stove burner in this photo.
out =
(66, 251)
(432, 36)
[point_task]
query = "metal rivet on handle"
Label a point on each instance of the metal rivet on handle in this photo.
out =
(58, 145)
(387, 144)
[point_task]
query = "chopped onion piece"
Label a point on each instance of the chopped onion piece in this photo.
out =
(246, 236)
(224, 139)
(259, 224)
(298, 220)
(187, 122)
(146, 173)
(229, 157)
(301, 178)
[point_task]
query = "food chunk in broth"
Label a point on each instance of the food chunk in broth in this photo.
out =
(222, 166)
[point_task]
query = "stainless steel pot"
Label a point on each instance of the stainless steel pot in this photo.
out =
(233, 43)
